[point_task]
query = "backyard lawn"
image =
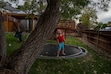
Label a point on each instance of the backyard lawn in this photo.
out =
(92, 63)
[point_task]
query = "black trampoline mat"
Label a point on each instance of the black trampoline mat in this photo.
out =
(50, 50)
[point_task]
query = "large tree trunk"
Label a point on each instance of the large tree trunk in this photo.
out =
(2, 40)
(21, 61)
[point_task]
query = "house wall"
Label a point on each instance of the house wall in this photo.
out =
(8, 26)
(25, 25)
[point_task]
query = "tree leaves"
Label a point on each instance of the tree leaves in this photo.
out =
(89, 16)
(70, 8)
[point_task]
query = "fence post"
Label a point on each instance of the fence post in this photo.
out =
(98, 35)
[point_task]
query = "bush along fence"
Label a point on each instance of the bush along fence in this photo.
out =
(99, 40)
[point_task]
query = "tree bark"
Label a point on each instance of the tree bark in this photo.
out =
(21, 61)
(2, 40)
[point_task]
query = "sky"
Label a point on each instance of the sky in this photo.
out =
(102, 16)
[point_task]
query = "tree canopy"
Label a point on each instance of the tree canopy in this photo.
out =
(69, 8)
(89, 16)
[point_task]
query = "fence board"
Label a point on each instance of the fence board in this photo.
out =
(99, 39)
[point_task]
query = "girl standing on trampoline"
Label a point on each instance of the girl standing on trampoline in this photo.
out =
(60, 41)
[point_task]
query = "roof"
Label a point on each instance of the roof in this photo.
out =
(10, 8)
(22, 16)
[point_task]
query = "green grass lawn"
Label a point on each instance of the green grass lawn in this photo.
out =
(12, 42)
(92, 63)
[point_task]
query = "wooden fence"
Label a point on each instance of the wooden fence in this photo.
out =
(101, 40)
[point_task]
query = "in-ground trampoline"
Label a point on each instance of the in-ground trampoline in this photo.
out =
(50, 50)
